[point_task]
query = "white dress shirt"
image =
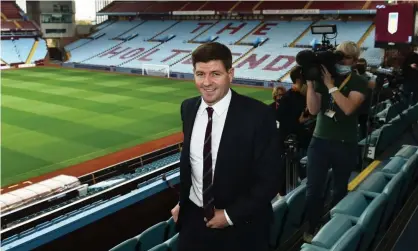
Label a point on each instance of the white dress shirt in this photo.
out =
(197, 142)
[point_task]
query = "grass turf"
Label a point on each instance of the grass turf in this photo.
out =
(53, 118)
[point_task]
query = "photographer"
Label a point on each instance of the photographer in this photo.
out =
(291, 113)
(334, 142)
(410, 72)
(364, 110)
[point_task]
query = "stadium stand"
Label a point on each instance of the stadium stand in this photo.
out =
(262, 50)
(20, 40)
(252, 43)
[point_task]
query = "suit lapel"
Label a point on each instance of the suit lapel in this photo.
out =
(190, 118)
(228, 131)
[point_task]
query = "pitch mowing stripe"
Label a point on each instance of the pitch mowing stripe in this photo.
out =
(82, 117)
(104, 94)
(68, 130)
(135, 107)
(14, 162)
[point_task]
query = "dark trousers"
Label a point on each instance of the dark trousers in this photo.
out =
(362, 120)
(411, 90)
(322, 155)
(195, 236)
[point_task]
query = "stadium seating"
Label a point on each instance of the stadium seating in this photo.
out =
(8, 52)
(23, 47)
(41, 51)
(260, 49)
(280, 33)
(339, 234)
(365, 209)
(229, 32)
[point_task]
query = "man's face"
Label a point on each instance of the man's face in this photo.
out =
(212, 80)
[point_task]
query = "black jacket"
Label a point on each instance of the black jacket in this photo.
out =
(248, 170)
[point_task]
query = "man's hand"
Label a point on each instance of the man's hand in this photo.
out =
(175, 212)
(326, 76)
(218, 221)
(414, 66)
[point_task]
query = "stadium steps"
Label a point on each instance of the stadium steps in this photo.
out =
(95, 55)
(249, 33)
(152, 39)
(181, 59)
(258, 4)
(203, 32)
(366, 5)
(17, 50)
(203, 5)
(32, 52)
(184, 6)
(233, 7)
(366, 34)
(132, 28)
(307, 5)
(302, 34)
(17, 24)
(244, 55)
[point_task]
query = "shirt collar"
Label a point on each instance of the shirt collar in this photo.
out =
(220, 107)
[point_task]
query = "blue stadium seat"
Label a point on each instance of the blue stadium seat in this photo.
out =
(365, 209)
(160, 247)
(128, 245)
(407, 151)
(171, 228)
(339, 234)
(279, 211)
(409, 166)
(173, 242)
(153, 236)
(391, 186)
(296, 211)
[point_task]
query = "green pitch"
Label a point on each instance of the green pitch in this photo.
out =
(53, 118)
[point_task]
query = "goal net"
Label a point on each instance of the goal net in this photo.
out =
(156, 70)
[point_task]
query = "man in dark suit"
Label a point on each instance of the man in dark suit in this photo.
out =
(229, 164)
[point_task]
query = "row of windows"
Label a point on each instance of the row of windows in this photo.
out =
(48, 31)
(56, 18)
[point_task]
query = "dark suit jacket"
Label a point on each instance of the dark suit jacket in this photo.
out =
(248, 168)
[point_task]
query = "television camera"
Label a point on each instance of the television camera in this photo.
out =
(323, 54)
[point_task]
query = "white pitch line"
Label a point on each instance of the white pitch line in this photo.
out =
(13, 186)
(27, 182)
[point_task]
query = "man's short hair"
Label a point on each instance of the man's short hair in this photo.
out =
(349, 48)
(296, 73)
(212, 51)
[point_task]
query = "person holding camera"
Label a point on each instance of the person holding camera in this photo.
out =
(291, 113)
(410, 72)
(335, 100)
(364, 109)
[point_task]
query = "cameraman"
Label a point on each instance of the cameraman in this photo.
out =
(334, 142)
(364, 110)
(291, 114)
(291, 110)
(410, 72)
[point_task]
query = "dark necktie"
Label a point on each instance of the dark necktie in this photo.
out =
(207, 169)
